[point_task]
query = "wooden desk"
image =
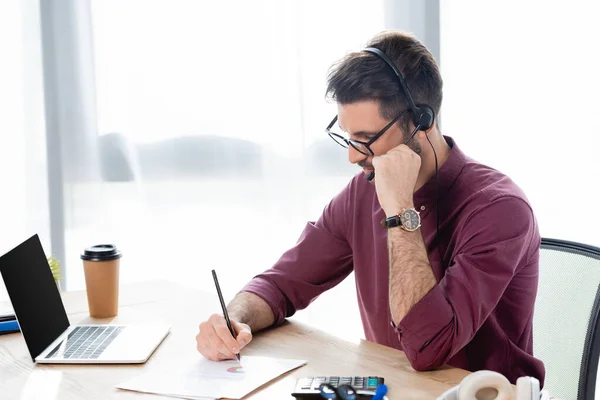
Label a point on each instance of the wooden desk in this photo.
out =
(184, 309)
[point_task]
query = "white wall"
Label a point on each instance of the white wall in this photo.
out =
(522, 88)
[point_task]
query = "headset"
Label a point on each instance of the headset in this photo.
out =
(422, 114)
(423, 118)
(490, 385)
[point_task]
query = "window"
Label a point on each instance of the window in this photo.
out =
(24, 209)
(210, 142)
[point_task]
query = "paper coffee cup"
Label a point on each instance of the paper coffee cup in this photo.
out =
(101, 268)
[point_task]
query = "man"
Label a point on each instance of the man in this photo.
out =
(460, 288)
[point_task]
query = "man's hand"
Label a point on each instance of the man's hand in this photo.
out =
(395, 178)
(214, 341)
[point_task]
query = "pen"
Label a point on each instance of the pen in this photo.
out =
(225, 313)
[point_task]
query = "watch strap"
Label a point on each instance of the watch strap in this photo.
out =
(391, 222)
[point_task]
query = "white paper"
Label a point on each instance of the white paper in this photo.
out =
(200, 378)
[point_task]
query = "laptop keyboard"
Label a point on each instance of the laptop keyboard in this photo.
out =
(86, 342)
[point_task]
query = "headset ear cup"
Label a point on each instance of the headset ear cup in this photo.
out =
(485, 385)
(425, 117)
(528, 388)
(450, 394)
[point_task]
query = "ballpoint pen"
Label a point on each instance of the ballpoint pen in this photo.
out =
(225, 313)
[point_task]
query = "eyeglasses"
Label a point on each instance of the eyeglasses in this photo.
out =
(362, 147)
(342, 392)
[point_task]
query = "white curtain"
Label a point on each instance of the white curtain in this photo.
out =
(210, 149)
(23, 198)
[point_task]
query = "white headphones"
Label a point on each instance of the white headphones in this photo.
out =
(489, 385)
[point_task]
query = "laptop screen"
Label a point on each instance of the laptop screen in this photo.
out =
(34, 295)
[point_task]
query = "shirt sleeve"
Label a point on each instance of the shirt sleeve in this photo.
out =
(320, 260)
(495, 243)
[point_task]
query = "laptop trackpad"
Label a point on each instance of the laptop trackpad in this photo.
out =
(134, 344)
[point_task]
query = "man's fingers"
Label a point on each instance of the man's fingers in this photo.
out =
(202, 343)
(215, 342)
(244, 336)
(223, 333)
(217, 345)
(375, 161)
(207, 350)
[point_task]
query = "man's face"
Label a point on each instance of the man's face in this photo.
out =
(362, 121)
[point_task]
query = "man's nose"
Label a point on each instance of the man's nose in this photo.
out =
(355, 156)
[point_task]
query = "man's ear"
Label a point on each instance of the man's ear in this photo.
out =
(422, 134)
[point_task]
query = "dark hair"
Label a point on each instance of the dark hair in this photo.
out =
(363, 76)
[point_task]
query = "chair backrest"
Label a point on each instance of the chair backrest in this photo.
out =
(566, 333)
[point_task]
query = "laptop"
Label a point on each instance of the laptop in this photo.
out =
(43, 321)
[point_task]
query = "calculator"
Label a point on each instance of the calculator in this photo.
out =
(308, 388)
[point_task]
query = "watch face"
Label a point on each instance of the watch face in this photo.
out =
(410, 219)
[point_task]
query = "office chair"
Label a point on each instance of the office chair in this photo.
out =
(566, 334)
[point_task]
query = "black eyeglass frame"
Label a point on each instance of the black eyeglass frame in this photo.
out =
(355, 143)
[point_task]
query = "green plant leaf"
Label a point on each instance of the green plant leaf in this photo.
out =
(55, 268)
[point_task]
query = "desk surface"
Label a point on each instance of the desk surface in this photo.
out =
(184, 309)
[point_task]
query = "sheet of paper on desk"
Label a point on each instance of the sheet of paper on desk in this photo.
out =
(200, 378)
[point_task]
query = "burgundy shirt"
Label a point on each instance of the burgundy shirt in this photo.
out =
(478, 316)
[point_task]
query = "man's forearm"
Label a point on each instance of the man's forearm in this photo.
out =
(251, 310)
(411, 277)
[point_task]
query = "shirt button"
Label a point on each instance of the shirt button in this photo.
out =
(422, 208)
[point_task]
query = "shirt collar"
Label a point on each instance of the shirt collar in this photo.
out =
(447, 175)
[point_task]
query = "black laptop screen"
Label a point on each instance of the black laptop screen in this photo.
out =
(34, 295)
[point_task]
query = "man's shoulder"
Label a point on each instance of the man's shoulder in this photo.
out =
(491, 201)
(485, 184)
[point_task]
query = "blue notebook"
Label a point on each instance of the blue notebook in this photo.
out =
(9, 326)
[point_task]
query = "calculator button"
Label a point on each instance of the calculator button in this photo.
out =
(372, 382)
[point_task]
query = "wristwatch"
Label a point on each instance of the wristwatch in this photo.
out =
(409, 219)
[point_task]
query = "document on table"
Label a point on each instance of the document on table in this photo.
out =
(200, 378)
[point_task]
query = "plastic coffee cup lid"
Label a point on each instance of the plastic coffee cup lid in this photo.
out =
(101, 252)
